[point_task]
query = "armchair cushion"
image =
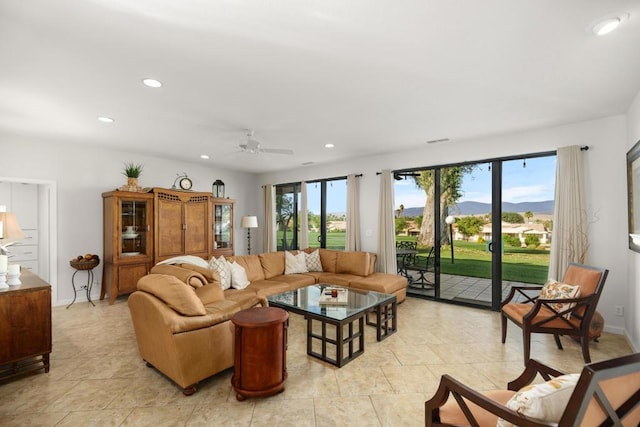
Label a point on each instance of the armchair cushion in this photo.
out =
(176, 294)
(210, 293)
(544, 402)
(272, 264)
(190, 277)
(209, 274)
(558, 290)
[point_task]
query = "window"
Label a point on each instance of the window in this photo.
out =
(326, 214)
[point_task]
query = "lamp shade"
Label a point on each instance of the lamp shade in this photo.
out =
(10, 231)
(450, 219)
(249, 222)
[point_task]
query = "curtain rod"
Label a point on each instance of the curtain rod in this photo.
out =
(584, 148)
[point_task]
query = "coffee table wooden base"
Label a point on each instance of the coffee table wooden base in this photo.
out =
(353, 340)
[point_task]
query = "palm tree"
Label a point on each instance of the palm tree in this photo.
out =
(450, 193)
(528, 215)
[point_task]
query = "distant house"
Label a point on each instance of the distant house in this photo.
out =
(337, 225)
(519, 230)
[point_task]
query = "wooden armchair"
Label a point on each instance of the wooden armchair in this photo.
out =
(537, 315)
(607, 393)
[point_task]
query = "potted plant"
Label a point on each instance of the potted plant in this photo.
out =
(132, 171)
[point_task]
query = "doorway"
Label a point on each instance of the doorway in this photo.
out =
(36, 200)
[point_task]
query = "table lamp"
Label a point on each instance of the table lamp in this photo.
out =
(249, 222)
(10, 232)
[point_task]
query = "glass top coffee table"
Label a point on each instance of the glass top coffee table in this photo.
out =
(343, 341)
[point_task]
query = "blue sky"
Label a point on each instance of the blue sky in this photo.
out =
(336, 197)
(532, 183)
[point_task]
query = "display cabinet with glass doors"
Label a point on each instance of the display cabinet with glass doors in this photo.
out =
(128, 241)
(222, 227)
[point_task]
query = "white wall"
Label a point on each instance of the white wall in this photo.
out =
(605, 188)
(632, 307)
(82, 173)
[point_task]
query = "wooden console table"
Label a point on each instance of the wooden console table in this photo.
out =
(25, 326)
(260, 365)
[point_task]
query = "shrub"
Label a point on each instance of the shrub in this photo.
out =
(532, 240)
(511, 240)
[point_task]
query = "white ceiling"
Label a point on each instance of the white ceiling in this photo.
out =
(370, 76)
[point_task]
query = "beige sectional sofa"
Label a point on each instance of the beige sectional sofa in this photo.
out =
(181, 316)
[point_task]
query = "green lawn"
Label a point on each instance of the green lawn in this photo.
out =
(471, 259)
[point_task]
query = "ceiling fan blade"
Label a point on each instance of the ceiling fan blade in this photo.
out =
(276, 150)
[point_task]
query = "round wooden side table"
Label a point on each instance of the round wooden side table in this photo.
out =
(260, 352)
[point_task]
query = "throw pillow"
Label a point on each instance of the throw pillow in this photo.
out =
(313, 261)
(544, 402)
(175, 293)
(222, 267)
(238, 276)
(295, 263)
(558, 290)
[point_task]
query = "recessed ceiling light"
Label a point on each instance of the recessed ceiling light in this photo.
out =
(607, 24)
(204, 156)
(329, 145)
(152, 83)
(105, 119)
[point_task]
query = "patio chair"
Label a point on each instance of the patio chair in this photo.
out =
(606, 393)
(421, 265)
(563, 314)
(405, 254)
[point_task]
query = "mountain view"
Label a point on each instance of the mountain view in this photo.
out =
(478, 208)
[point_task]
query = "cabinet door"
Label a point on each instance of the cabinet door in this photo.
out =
(26, 317)
(224, 226)
(169, 240)
(196, 215)
(134, 228)
(128, 276)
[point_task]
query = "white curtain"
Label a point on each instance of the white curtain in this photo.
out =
(304, 217)
(352, 242)
(386, 226)
(269, 231)
(569, 239)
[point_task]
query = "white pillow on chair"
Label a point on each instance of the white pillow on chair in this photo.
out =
(544, 402)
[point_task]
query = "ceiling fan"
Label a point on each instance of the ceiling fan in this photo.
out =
(253, 146)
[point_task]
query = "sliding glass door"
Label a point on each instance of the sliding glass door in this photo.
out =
(479, 227)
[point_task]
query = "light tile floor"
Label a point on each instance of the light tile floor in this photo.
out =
(97, 377)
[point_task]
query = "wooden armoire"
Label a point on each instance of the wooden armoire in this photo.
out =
(142, 229)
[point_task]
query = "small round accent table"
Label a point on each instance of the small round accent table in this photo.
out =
(260, 352)
(84, 265)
